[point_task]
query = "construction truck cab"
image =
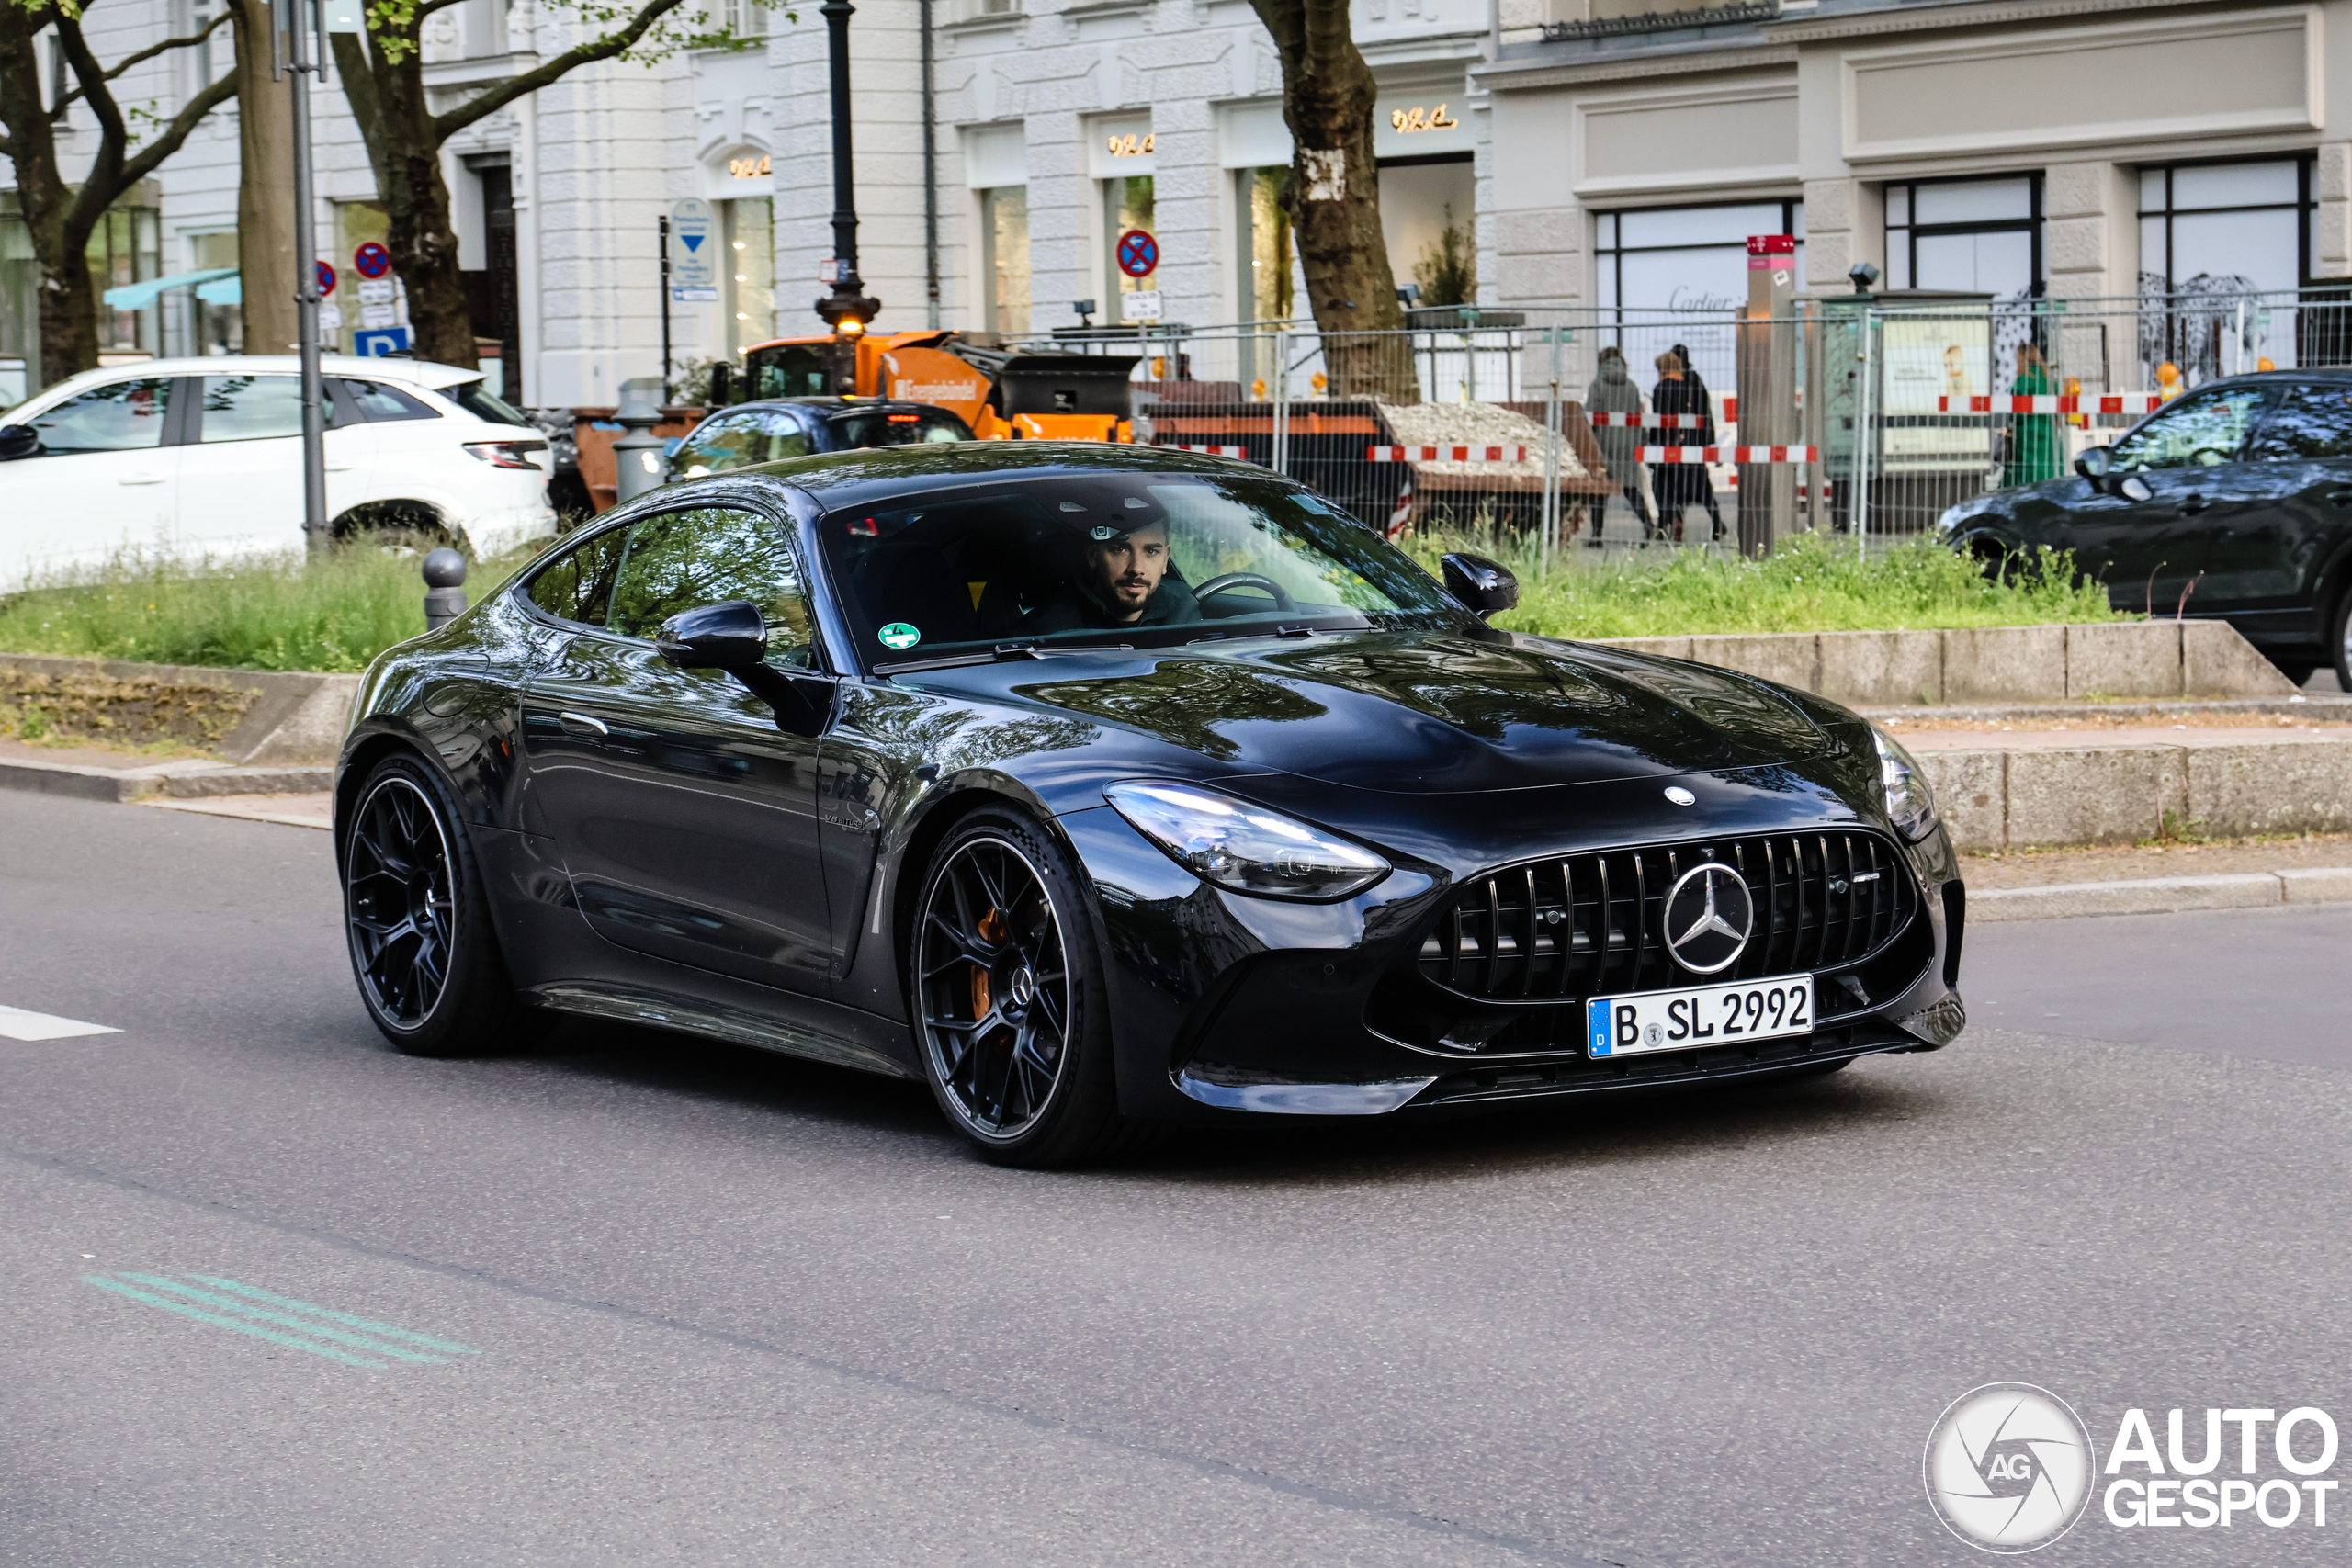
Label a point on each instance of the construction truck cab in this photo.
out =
(1002, 394)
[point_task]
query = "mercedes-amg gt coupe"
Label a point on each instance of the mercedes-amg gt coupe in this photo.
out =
(1102, 788)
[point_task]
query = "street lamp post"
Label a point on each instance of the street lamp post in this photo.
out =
(306, 294)
(847, 310)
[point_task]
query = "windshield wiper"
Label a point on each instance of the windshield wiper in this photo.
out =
(1001, 653)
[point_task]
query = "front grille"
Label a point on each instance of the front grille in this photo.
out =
(1593, 924)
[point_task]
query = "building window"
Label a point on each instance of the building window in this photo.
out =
(1686, 258)
(126, 247)
(743, 19)
(2225, 228)
(750, 294)
(1966, 236)
(1126, 204)
(1428, 216)
(1004, 257)
(1269, 256)
(219, 327)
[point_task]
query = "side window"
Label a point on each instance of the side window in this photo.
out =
(123, 417)
(578, 585)
(2199, 432)
(378, 403)
(250, 408)
(680, 560)
(740, 439)
(2314, 422)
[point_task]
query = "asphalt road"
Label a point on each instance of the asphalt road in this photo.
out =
(683, 1305)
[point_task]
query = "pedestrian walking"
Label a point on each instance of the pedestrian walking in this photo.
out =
(1678, 485)
(1613, 391)
(1707, 406)
(2033, 437)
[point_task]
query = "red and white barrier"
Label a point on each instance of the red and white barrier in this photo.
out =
(1729, 454)
(1649, 421)
(2112, 402)
(1242, 452)
(1447, 454)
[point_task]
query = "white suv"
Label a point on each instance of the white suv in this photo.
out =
(202, 458)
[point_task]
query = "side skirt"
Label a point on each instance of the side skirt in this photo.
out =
(715, 1021)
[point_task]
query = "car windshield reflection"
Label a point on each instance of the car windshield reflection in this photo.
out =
(1136, 559)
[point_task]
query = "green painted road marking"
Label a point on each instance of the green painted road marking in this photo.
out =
(320, 1331)
(332, 1315)
(254, 1329)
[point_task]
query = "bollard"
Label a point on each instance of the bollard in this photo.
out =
(445, 588)
(639, 462)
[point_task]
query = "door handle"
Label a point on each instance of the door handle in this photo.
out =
(140, 479)
(2193, 505)
(580, 724)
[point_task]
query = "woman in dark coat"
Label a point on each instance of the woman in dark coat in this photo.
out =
(1707, 406)
(1681, 484)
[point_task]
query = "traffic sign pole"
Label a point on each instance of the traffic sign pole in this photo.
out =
(306, 297)
(666, 309)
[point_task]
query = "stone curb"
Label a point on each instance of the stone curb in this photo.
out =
(2164, 895)
(172, 781)
(296, 717)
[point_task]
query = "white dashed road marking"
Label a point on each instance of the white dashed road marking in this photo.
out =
(15, 1023)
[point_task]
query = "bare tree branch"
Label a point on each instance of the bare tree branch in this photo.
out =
(169, 140)
(151, 52)
(358, 76)
(492, 99)
(103, 182)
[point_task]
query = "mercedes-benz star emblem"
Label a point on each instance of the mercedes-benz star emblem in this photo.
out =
(1679, 795)
(1708, 915)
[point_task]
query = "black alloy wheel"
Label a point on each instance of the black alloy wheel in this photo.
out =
(422, 948)
(2339, 642)
(1015, 1038)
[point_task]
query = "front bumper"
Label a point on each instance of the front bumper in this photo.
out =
(1227, 1006)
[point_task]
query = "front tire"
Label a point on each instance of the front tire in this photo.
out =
(1008, 997)
(427, 962)
(2339, 640)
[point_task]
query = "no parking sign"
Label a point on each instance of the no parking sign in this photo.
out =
(371, 260)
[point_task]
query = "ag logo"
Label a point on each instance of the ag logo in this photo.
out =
(2008, 1467)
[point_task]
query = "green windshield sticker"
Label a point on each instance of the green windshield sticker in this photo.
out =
(897, 634)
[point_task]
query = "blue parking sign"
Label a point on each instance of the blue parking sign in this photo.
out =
(376, 343)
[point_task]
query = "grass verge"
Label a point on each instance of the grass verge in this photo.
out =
(334, 614)
(1811, 584)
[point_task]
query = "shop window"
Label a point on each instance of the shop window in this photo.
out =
(219, 327)
(750, 294)
(1966, 236)
(126, 247)
(1126, 204)
(1428, 215)
(1686, 258)
(1004, 259)
(1268, 258)
(2225, 228)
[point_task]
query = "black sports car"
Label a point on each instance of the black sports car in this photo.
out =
(2234, 503)
(1101, 787)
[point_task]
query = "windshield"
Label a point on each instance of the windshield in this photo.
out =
(484, 404)
(878, 427)
(1122, 558)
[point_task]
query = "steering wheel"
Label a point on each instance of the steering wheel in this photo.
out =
(1216, 585)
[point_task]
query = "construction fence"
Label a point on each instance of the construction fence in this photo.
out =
(1866, 416)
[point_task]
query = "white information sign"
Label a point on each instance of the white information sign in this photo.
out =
(694, 244)
(1143, 305)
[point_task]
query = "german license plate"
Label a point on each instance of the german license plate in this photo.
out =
(1692, 1017)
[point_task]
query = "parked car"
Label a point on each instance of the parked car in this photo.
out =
(778, 428)
(2232, 502)
(1104, 785)
(203, 458)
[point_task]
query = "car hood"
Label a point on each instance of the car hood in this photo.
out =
(1418, 713)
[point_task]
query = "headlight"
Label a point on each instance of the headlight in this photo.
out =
(1909, 806)
(1247, 848)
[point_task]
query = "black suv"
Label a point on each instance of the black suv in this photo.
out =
(2232, 502)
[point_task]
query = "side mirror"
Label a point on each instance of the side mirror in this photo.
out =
(1483, 587)
(2095, 464)
(732, 636)
(18, 441)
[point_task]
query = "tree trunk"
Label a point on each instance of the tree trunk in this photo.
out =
(423, 238)
(265, 261)
(1334, 198)
(67, 318)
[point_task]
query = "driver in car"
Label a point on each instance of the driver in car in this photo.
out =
(1123, 578)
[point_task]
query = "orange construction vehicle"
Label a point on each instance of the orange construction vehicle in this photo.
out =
(1004, 396)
